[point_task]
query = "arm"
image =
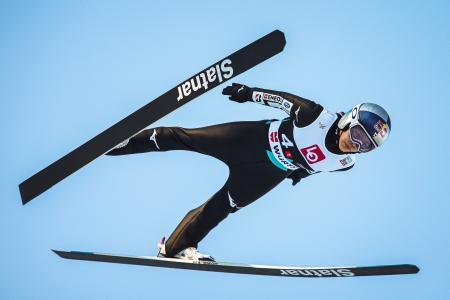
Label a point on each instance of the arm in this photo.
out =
(301, 110)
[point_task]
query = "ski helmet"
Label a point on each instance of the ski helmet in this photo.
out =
(369, 125)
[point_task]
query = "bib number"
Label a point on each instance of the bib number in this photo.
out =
(285, 141)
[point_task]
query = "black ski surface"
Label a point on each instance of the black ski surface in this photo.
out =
(308, 272)
(225, 69)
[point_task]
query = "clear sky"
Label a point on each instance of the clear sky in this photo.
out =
(69, 70)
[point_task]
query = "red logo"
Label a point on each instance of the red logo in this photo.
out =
(274, 137)
(380, 128)
(312, 154)
(288, 154)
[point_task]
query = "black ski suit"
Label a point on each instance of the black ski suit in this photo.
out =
(240, 145)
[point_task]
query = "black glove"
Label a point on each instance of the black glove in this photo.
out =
(238, 92)
(297, 175)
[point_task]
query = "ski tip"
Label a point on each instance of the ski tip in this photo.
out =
(408, 269)
(57, 252)
(281, 37)
(281, 33)
(71, 254)
(415, 269)
(62, 254)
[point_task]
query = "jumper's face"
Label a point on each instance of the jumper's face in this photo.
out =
(345, 144)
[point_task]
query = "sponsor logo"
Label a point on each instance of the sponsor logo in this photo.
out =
(276, 154)
(153, 138)
(287, 106)
(232, 203)
(272, 98)
(274, 137)
(354, 112)
(312, 154)
(204, 262)
(321, 125)
(347, 160)
(380, 128)
(280, 157)
(288, 154)
(202, 80)
(296, 114)
(257, 97)
(318, 272)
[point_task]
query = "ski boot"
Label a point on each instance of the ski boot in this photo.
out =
(190, 253)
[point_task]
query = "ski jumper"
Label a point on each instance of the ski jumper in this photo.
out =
(259, 155)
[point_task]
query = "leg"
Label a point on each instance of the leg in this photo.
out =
(232, 143)
(245, 184)
(157, 139)
(198, 222)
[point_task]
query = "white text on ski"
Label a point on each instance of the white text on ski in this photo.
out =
(201, 80)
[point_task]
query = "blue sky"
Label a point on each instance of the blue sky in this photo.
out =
(69, 70)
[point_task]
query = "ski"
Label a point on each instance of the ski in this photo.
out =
(283, 271)
(225, 69)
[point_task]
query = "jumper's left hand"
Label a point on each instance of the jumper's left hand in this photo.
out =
(238, 92)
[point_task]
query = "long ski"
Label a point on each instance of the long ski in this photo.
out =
(225, 69)
(284, 271)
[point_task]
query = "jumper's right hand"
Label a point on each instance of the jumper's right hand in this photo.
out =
(238, 92)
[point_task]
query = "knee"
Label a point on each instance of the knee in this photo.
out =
(217, 208)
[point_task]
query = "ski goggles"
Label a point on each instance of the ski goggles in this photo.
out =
(360, 137)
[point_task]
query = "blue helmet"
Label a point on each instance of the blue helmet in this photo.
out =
(369, 125)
